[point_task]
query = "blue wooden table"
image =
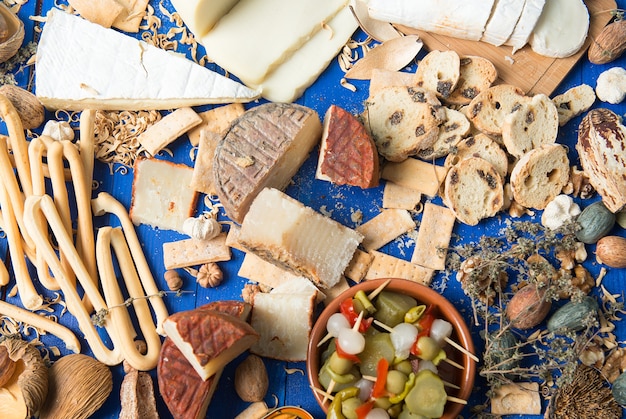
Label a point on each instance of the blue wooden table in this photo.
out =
(288, 381)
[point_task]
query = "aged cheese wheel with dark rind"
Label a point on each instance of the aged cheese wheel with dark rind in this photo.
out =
(264, 147)
(184, 392)
(348, 154)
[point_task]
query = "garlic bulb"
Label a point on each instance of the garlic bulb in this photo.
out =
(58, 130)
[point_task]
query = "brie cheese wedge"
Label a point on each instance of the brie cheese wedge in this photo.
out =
(562, 29)
(84, 65)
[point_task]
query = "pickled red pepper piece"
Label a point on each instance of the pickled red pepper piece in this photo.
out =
(364, 409)
(347, 309)
(381, 378)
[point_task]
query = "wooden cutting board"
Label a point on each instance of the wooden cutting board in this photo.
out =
(525, 69)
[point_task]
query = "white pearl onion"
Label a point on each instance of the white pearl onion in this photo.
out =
(351, 341)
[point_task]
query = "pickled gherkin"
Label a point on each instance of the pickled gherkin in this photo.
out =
(377, 346)
(392, 306)
(428, 396)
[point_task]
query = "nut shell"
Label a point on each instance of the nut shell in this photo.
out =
(15, 27)
(28, 107)
(611, 251)
(609, 44)
(251, 380)
(7, 366)
(528, 307)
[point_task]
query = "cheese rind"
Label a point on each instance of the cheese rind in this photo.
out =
(83, 65)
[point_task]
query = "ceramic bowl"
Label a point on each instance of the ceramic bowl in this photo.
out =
(463, 378)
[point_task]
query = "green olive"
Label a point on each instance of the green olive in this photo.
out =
(382, 402)
(428, 348)
(404, 366)
(395, 381)
(348, 407)
(338, 364)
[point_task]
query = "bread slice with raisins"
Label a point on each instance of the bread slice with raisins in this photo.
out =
(573, 102)
(489, 108)
(476, 74)
(482, 146)
(540, 175)
(403, 120)
(474, 190)
(439, 71)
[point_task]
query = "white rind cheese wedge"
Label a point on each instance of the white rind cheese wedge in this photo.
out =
(84, 65)
(460, 19)
(201, 15)
(283, 231)
(562, 29)
(255, 37)
(503, 19)
(526, 23)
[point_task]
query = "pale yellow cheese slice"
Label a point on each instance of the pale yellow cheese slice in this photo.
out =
(201, 15)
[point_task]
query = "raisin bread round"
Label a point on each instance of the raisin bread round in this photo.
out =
(439, 71)
(454, 129)
(482, 146)
(476, 74)
(489, 108)
(473, 190)
(540, 175)
(534, 123)
(573, 102)
(403, 120)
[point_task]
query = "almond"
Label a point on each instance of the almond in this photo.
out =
(251, 379)
(611, 251)
(609, 44)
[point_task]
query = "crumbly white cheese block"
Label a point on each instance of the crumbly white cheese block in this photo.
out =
(562, 28)
(460, 19)
(162, 196)
(525, 24)
(255, 37)
(282, 230)
(503, 19)
(289, 80)
(201, 15)
(84, 65)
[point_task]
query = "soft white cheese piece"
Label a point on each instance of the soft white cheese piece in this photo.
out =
(526, 23)
(460, 19)
(257, 36)
(201, 15)
(84, 65)
(562, 28)
(503, 19)
(289, 80)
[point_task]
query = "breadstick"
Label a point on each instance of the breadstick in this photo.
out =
(29, 297)
(114, 237)
(41, 322)
(34, 208)
(4, 273)
(87, 144)
(105, 203)
(18, 142)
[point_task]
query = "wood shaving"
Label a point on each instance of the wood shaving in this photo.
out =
(116, 135)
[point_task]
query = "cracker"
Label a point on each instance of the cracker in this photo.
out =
(433, 237)
(385, 78)
(202, 178)
(418, 175)
(387, 266)
(132, 15)
(216, 120)
(358, 266)
(385, 227)
(169, 128)
(400, 197)
(190, 252)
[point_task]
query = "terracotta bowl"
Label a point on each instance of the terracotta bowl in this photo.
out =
(445, 310)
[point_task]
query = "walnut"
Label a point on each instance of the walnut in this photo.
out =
(479, 281)
(580, 183)
(173, 280)
(614, 365)
(249, 291)
(210, 275)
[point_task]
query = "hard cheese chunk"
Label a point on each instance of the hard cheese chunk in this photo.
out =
(263, 148)
(209, 339)
(284, 231)
(257, 36)
(162, 196)
(84, 65)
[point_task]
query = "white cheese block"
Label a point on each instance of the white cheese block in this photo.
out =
(289, 80)
(460, 19)
(162, 196)
(282, 230)
(201, 15)
(257, 36)
(84, 65)
(526, 23)
(562, 28)
(503, 19)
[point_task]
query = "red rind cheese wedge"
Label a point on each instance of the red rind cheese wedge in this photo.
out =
(264, 147)
(185, 393)
(348, 155)
(209, 339)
